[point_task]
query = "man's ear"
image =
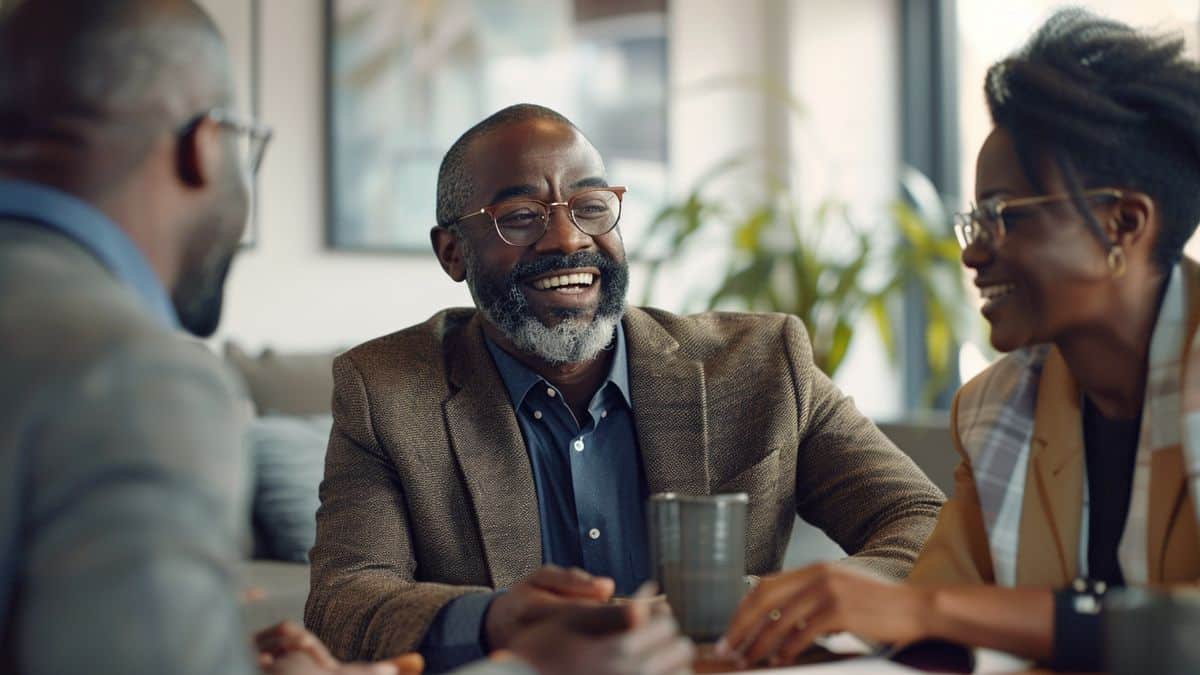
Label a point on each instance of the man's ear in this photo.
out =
(198, 157)
(449, 249)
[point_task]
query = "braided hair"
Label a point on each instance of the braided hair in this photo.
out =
(1110, 106)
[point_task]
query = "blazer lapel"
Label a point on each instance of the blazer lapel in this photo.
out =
(484, 435)
(1167, 483)
(1053, 500)
(669, 408)
(1168, 470)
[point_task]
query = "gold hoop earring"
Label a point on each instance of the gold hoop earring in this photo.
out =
(1116, 261)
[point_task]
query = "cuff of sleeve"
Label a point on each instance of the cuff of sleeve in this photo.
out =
(456, 635)
(1077, 631)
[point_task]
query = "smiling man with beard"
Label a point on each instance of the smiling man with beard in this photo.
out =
(476, 456)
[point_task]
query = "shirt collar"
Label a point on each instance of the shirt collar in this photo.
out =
(95, 232)
(519, 379)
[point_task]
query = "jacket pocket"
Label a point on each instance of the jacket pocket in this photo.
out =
(758, 480)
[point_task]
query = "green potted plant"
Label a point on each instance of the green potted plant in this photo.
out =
(822, 266)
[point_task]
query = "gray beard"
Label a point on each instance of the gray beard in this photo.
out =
(571, 340)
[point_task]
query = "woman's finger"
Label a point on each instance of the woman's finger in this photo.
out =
(769, 595)
(780, 624)
(819, 623)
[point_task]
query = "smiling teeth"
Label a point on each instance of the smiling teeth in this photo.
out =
(997, 291)
(583, 279)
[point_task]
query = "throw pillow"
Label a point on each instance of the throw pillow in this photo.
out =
(286, 384)
(289, 462)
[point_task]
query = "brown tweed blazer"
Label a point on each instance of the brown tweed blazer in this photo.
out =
(428, 491)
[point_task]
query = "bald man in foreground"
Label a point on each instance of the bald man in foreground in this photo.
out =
(123, 196)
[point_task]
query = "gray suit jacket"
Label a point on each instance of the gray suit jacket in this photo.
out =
(428, 491)
(123, 477)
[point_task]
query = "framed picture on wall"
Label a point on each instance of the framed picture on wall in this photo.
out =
(239, 21)
(406, 77)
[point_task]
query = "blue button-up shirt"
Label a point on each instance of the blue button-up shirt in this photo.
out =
(591, 493)
(590, 485)
(43, 206)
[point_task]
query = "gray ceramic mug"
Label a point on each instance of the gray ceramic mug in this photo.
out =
(1152, 631)
(698, 556)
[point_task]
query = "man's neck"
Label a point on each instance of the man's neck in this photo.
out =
(578, 381)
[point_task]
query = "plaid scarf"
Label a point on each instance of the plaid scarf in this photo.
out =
(999, 450)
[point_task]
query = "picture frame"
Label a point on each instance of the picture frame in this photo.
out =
(240, 21)
(405, 78)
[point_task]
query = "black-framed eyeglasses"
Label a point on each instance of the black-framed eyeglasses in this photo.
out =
(985, 222)
(252, 136)
(522, 222)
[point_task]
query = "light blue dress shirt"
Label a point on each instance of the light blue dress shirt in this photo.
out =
(43, 206)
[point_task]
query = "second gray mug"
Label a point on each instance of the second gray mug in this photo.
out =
(698, 555)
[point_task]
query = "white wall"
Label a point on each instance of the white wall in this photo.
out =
(846, 68)
(290, 292)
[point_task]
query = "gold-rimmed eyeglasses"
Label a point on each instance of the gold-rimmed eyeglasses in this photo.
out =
(252, 136)
(522, 222)
(985, 222)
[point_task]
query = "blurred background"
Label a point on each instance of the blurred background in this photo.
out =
(783, 155)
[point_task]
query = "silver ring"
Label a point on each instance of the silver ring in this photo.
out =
(774, 615)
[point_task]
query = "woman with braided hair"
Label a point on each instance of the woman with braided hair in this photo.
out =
(1073, 446)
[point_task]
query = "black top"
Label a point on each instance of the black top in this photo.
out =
(1110, 447)
(1111, 450)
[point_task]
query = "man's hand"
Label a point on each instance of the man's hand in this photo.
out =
(298, 663)
(289, 638)
(785, 613)
(542, 593)
(289, 649)
(605, 640)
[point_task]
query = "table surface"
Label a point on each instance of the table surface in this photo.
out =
(847, 655)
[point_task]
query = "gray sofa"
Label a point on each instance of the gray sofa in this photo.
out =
(291, 394)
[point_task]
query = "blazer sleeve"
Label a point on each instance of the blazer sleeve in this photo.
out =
(851, 481)
(957, 552)
(135, 488)
(365, 602)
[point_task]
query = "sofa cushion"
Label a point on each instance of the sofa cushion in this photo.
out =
(289, 457)
(291, 384)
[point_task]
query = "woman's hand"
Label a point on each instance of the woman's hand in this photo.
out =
(786, 612)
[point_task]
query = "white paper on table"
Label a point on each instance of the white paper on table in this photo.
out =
(844, 643)
(866, 664)
(987, 661)
(990, 661)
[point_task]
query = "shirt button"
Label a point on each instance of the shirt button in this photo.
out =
(578, 445)
(593, 533)
(603, 414)
(550, 392)
(537, 414)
